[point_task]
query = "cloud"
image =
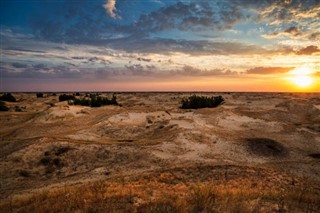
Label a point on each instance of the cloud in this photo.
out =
(144, 59)
(269, 70)
(19, 65)
(110, 7)
(293, 32)
(202, 47)
(309, 50)
(23, 50)
(288, 11)
(314, 36)
(192, 71)
(69, 71)
(193, 16)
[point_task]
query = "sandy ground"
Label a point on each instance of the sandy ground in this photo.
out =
(51, 144)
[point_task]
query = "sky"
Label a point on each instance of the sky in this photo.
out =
(160, 45)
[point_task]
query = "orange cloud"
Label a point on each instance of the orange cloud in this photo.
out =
(309, 50)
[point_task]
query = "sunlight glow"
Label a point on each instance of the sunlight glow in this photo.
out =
(302, 76)
(302, 80)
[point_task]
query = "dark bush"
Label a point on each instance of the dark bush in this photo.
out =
(39, 95)
(3, 106)
(58, 163)
(46, 160)
(315, 155)
(17, 109)
(24, 173)
(65, 97)
(77, 94)
(62, 150)
(196, 102)
(8, 97)
(95, 101)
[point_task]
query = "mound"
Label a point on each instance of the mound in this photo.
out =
(265, 147)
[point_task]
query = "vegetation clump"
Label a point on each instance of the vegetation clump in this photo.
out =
(196, 102)
(24, 173)
(18, 109)
(8, 97)
(39, 95)
(95, 101)
(65, 97)
(3, 107)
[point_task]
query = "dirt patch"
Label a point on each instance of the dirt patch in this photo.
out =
(265, 147)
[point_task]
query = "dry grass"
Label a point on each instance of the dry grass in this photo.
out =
(163, 193)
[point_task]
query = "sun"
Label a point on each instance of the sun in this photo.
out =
(302, 77)
(302, 81)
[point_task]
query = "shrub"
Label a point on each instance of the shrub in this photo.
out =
(3, 106)
(39, 95)
(17, 109)
(8, 97)
(95, 101)
(62, 150)
(24, 173)
(46, 160)
(196, 102)
(58, 163)
(65, 97)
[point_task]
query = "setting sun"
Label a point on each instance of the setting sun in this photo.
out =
(302, 81)
(302, 76)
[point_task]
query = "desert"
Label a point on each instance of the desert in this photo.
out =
(256, 152)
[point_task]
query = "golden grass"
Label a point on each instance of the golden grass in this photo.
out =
(164, 194)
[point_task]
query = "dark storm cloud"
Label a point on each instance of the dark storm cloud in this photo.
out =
(269, 70)
(309, 50)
